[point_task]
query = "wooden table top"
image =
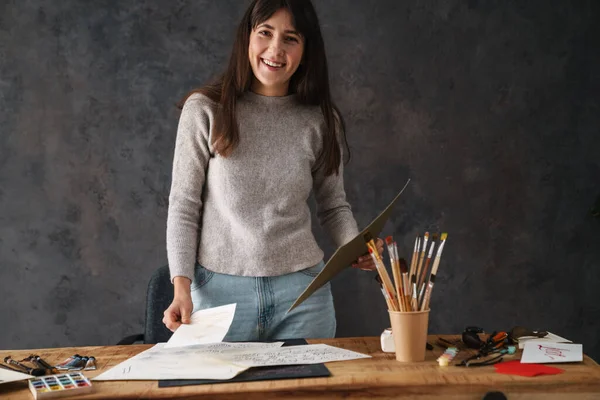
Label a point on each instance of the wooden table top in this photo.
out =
(378, 377)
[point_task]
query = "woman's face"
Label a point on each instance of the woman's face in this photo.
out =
(275, 52)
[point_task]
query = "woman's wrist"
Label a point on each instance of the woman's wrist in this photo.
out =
(182, 285)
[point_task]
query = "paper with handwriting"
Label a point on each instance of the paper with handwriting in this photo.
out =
(12, 376)
(536, 352)
(291, 355)
(220, 360)
(190, 362)
(206, 326)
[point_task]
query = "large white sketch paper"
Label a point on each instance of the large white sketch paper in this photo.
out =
(220, 360)
(190, 362)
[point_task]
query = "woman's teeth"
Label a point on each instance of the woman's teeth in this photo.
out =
(272, 64)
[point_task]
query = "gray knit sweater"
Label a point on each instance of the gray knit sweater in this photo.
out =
(247, 214)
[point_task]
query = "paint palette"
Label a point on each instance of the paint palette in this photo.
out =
(46, 387)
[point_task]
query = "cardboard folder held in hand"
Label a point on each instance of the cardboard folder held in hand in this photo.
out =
(348, 253)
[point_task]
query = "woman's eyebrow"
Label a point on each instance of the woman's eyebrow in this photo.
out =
(270, 27)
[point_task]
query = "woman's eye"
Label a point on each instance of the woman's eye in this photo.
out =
(264, 33)
(291, 39)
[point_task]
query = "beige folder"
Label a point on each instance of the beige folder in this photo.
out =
(348, 253)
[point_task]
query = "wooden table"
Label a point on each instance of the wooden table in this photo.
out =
(378, 377)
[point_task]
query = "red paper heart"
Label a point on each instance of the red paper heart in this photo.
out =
(516, 368)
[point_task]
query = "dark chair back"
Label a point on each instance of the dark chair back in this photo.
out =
(158, 298)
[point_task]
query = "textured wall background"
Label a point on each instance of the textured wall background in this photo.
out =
(490, 107)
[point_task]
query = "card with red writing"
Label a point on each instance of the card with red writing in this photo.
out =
(552, 353)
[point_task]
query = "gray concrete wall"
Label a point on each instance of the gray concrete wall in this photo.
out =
(490, 107)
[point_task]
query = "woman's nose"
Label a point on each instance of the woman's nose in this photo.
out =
(277, 47)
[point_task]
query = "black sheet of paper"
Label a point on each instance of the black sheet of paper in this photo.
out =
(261, 373)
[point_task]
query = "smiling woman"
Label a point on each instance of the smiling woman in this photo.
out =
(250, 149)
(275, 52)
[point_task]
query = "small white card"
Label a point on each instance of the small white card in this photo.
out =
(206, 326)
(547, 352)
(550, 337)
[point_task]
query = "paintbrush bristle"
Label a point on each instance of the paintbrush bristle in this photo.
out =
(403, 266)
(444, 236)
(389, 240)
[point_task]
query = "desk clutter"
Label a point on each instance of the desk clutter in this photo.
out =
(379, 374)
(476, 349)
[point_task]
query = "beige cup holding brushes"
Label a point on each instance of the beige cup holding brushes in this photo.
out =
(409, 330)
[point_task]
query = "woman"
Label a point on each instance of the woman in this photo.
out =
(249, 150)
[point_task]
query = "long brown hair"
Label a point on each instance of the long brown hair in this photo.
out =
(310, 82)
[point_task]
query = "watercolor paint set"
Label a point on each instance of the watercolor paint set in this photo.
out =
(46, 387)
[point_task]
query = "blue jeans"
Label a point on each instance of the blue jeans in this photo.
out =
(262, 303)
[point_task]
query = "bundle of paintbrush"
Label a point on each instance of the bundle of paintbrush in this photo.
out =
(411, 290)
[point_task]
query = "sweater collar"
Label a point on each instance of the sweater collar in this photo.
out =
(269, 100)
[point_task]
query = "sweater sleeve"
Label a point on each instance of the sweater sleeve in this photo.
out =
(333, 210)
(190, 162)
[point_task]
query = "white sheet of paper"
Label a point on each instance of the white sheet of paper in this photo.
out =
(189, 362)
(546, 352)
(550, 337)
(291, 355)
(12, 376)
(206, 326)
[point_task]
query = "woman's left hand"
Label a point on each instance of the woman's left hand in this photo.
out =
(365, 262)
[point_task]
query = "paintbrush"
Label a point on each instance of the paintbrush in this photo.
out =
(434, 269)
(387, 282)
(413, 262)
(405, 283)
(385, 278)
(422, 257)
(423, 278)
(414, 304)
(395, 272)
(383, 291)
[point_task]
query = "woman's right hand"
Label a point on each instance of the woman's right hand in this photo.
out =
(180, 310)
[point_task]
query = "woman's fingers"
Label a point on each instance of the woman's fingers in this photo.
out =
(171, 320)
(365, 264)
